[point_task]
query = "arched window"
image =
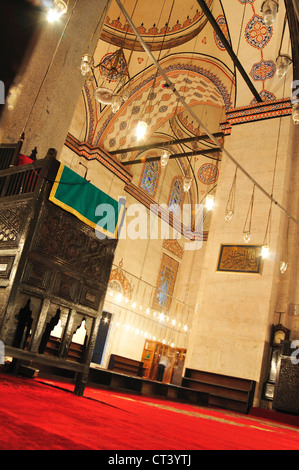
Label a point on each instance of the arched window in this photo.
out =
(176, 192)
(150, 177)
(165, 283)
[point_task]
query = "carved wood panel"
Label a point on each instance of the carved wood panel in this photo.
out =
(66, 241)
(12, 222)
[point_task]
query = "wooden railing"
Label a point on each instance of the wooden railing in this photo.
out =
(27, 178)
(9, 154)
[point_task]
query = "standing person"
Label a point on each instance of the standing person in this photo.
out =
(163, 364)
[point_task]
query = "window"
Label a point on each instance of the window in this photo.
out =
(165, 283)
(150, 177)
(176, 192)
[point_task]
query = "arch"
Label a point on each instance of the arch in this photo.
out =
(182, 25)
(201, 79)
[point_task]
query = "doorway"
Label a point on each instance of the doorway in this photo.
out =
(102, 336)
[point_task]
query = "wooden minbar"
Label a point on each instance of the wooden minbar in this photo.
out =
(53, 270)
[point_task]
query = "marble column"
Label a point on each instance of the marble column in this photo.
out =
(50, 82)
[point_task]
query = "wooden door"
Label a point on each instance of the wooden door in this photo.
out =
(151, 356)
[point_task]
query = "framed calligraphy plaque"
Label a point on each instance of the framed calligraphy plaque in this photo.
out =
(240, 259)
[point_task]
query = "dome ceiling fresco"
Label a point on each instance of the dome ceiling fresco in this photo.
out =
(162, 24)
(197, 63)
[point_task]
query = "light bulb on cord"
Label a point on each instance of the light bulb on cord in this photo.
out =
(282, 64)
(265, 251)
(210, 202)
(59, 8)
(269, 10)
(141, 129)
(87, 62)
(247, 236)
(229, 214)
(283, 267)
(187, 183)
(164, 159)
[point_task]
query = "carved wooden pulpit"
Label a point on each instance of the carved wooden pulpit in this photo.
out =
(54, 269)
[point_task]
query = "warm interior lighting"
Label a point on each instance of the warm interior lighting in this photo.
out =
(282, 64)
(187, 183)
(59, 8)
(210, 202)
(265, 251)
(269, 10)
(141, 129)
(164, 159)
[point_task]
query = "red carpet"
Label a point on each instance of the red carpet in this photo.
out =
(36, 415)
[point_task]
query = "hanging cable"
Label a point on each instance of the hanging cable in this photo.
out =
(222, 148)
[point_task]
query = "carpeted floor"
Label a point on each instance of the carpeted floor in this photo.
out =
(48, 416)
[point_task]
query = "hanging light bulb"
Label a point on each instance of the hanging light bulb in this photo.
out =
(87, 63)
(229, 214)
(265, 251)
(126, 94)
(283, 266)
(210, 202)
(164, 159)
(282, 64)
(295, 113)
(119, 297)
(116, 103)
(187, 183)
(59, 8)
(247, 236)
(141, 129)
(269, 10)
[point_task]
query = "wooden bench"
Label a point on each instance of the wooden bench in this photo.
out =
(223, 391)
(142, 386)
(125, 365)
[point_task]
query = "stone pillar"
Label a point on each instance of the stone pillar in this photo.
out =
(232, 327)
(50, 82)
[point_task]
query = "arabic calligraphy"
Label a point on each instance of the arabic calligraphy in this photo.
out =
(240, 258)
